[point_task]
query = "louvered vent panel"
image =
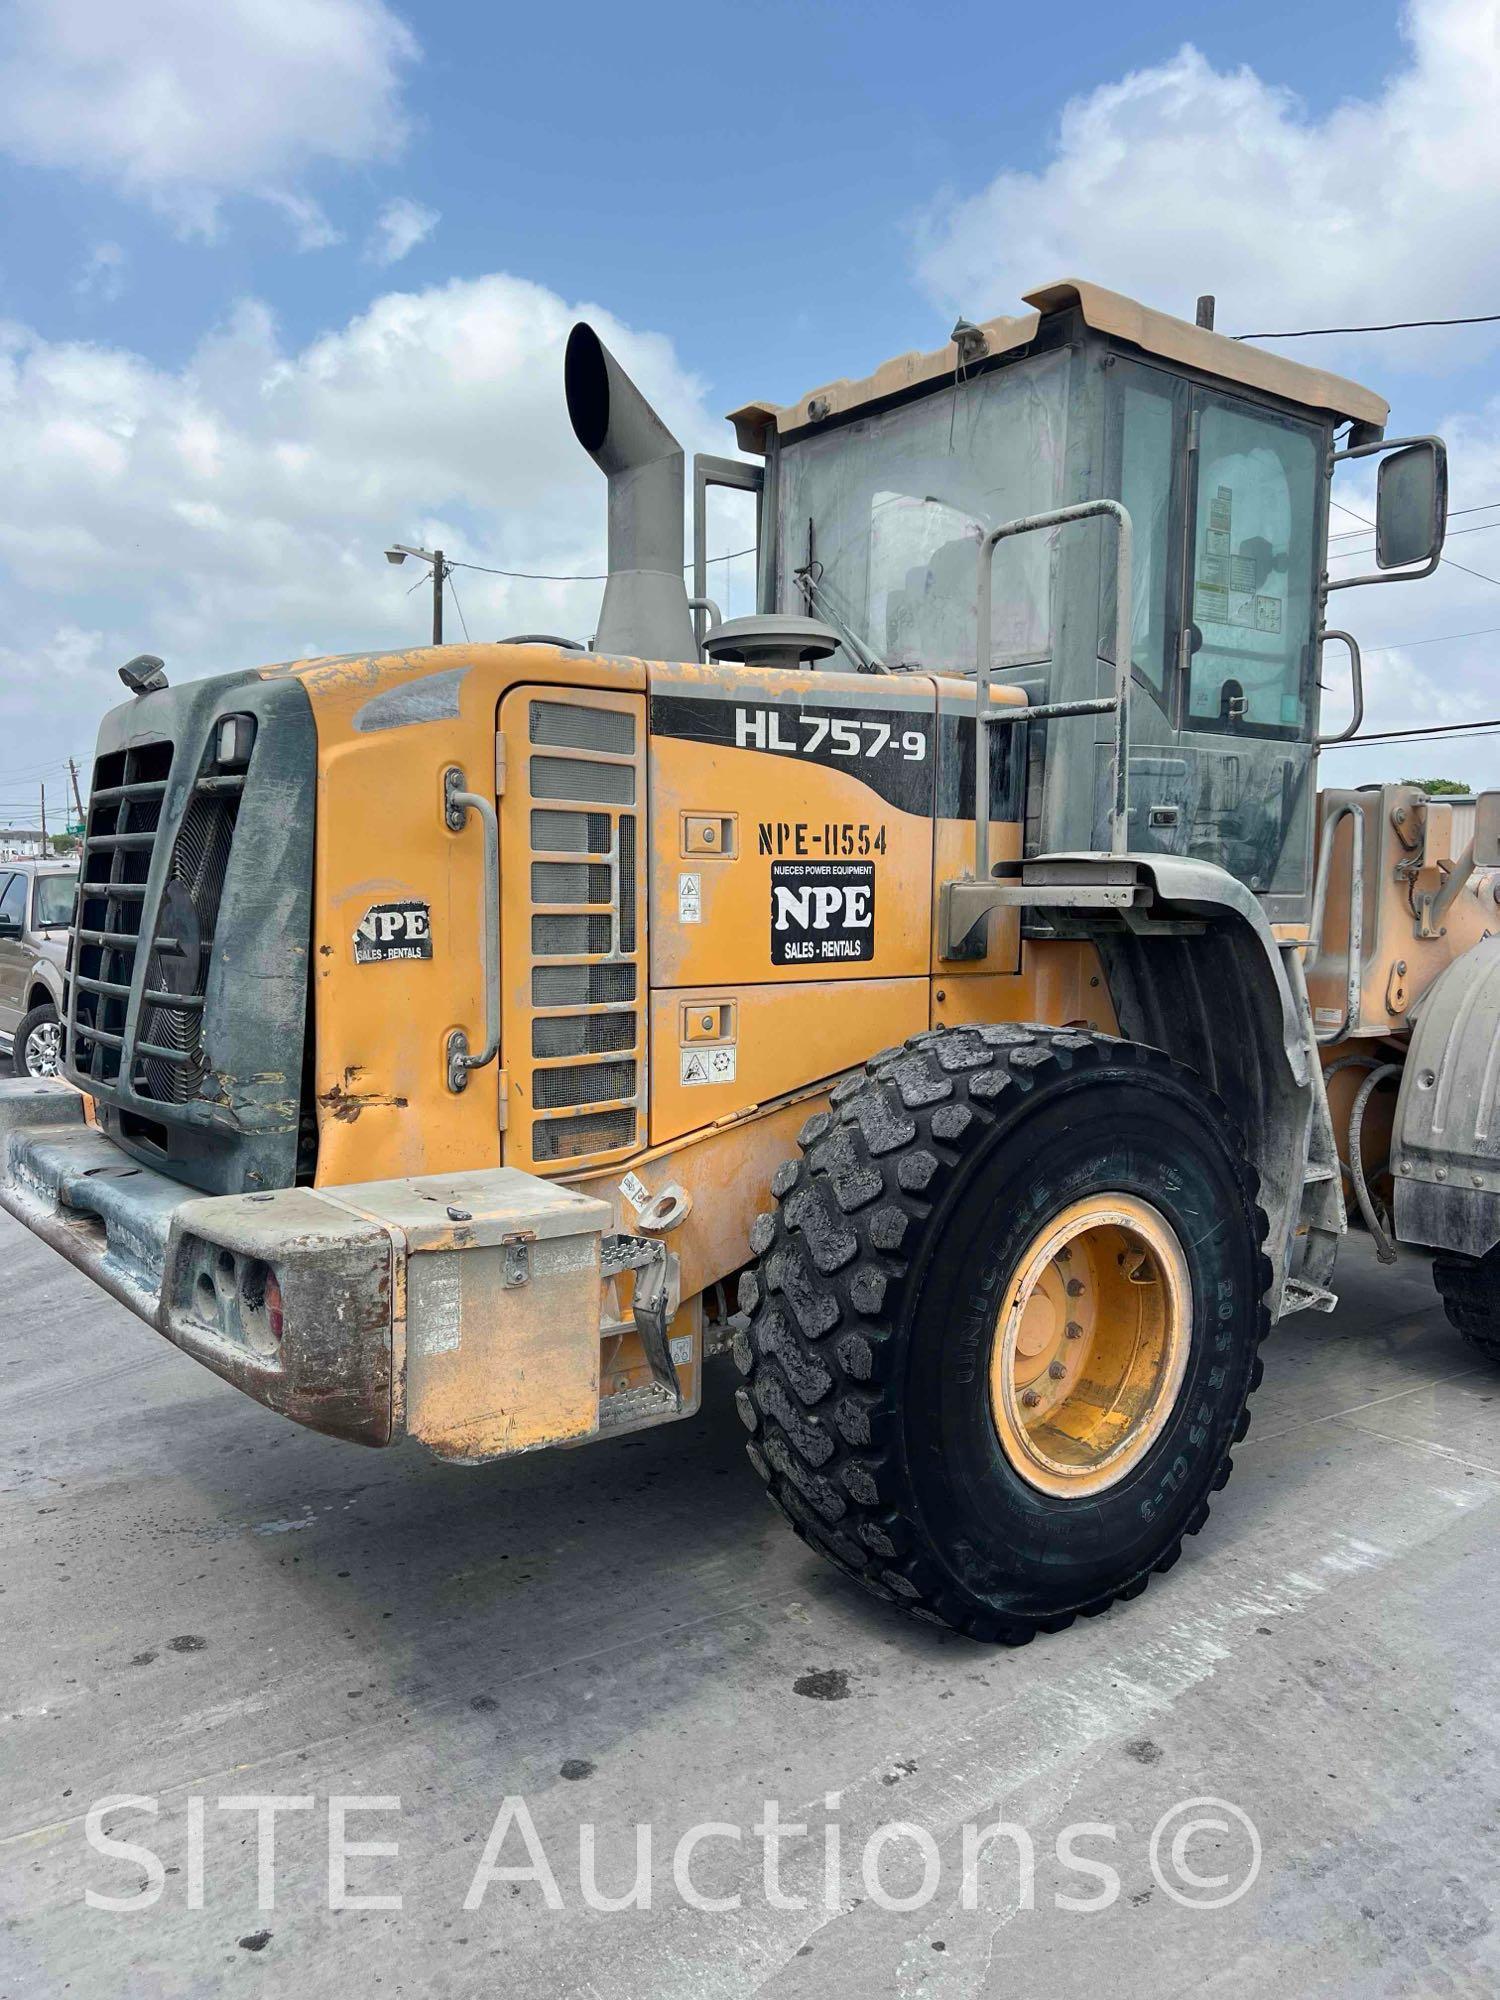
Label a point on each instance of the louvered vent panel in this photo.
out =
(122, 919)
(119, 837)
(169, 1046)
(587, 1034)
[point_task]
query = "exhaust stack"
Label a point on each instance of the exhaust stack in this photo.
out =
(645, 610)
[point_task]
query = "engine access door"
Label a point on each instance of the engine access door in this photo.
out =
(791, 870)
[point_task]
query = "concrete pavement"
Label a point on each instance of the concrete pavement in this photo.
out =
(201, 1603)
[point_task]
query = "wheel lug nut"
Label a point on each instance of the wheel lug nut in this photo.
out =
(1057, 1371)
(1072, 1331)
(1075, 1286)
(1029, 1399)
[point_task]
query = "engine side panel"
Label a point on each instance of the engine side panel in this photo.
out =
(823, 787)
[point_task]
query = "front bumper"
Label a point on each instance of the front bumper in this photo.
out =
(460, 1309)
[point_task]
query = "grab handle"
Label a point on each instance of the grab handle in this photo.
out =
(457, 805)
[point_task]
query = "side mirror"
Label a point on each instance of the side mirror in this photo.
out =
(9, 927)
(1411, 504)
(1411, 509)
(1487, 830)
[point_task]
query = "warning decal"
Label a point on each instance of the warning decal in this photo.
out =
(393, 930)
(708, 1065)
(822, 912)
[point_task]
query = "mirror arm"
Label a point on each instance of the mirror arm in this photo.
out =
(1384, 575)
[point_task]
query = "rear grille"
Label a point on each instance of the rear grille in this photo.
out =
(581, 985)
(170, 1045)
(587, 1040)
(119, 836)
(583, 1138)
(162, 1058)
(582, 1034)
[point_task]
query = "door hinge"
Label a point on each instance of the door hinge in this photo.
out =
(499, 765)
(502, 1110)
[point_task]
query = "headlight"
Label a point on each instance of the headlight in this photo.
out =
(236, 739)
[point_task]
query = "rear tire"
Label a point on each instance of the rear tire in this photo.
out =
(872, 1337)
(37, 1046)
(1470, 1291)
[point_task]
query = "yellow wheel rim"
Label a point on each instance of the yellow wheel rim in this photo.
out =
(1091, 1345)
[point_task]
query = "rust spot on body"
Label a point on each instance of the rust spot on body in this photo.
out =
(345, 1103)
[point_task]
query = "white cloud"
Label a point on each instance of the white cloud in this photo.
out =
(235, 511)
(103, 275)
(311, 227)
(400, 226)
(182, 104)
(1182, 179)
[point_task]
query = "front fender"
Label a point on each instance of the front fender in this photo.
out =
(45, 979)
(1194, 968)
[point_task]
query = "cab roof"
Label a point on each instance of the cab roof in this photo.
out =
(1108, 312)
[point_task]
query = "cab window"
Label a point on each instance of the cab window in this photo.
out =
(1253, 571)
(52, 906)
(13, 902)
(882, 518)
(1149, 404)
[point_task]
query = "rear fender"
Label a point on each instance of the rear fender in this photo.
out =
(1445, 1153)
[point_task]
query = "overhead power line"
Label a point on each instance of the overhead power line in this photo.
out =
(1437, 639)
(1387, 326)
(1486, 726)
(453, 591)
(601, 576)
(29, 771)
(530, 575)
(1484, 507)
(1447, 561)
(1485, 528)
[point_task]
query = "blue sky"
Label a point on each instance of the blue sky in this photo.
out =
(747, 178)
(281, 280)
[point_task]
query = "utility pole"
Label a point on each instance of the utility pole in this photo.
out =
(44, 822)
(398, 552)
(77, 800)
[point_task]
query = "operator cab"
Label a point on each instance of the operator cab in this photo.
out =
(877, 496)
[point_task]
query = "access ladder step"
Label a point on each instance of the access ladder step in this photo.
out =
(1297, 1295)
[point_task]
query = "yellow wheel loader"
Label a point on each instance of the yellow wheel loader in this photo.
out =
(946, 988)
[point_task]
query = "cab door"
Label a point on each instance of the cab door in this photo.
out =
(1227, 498)
(15, 959)
(1246, 700)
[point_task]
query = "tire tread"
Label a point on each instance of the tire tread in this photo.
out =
(870, 1170)
(1470, 1290)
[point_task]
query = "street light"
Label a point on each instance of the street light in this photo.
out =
(398, 552)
